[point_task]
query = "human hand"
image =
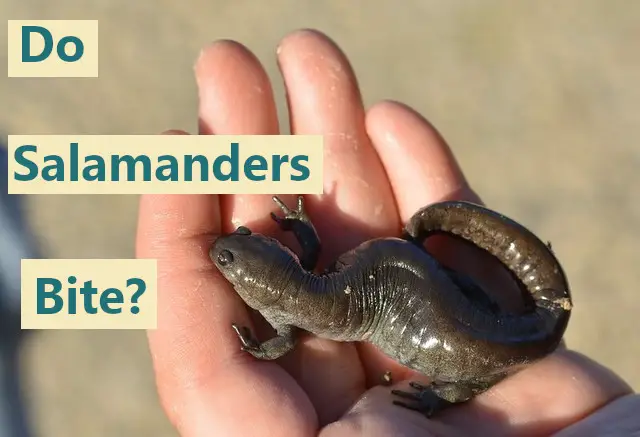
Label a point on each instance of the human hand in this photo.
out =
(381, 165)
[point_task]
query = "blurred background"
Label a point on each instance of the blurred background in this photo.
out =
(540, 102)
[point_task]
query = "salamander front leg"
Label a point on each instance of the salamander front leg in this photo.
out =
(271, 349)
(433, 398)
(299, 223)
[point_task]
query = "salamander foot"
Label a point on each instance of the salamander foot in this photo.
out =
(290, 215)
(247, 339)
(424, 400)
(298, 222)
(432, 398)
(271, 349)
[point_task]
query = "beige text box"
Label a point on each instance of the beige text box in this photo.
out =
(288, 164)
(53, 66)
(103, 274)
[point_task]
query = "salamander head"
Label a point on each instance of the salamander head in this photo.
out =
(257, 266)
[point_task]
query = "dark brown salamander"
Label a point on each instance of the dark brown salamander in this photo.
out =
(393, 293)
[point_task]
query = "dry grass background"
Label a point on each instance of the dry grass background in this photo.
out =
(539, 100)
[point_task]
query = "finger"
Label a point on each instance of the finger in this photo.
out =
(420, 165)
(541, 400)
(236, 98)
(374, 415)
(194, 359)
(618, 418)
(324, 98)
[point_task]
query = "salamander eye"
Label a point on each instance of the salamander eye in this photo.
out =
(242, 230)
(225, 258)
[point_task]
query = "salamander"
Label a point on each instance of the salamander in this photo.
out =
(393, 293)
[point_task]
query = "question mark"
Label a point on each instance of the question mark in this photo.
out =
(142, 287)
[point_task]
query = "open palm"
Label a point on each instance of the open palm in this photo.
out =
(381, 165)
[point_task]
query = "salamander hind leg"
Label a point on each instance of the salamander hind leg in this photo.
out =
(299, 223)
(432, 398)
(423, 399)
